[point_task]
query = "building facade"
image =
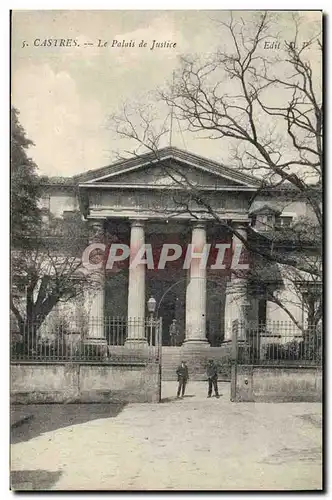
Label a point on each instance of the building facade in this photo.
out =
(172, 197)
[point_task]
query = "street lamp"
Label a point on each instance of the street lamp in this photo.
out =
(152, 305)
(151, 308)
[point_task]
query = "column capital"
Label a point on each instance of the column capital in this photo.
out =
(137, 222)
(96, 223)
(198, 224)
(240, 225)
(96, 231)
(236, 287)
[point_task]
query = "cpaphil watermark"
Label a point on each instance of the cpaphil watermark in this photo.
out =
(116, 256)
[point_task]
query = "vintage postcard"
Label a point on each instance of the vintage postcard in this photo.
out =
(166, 309)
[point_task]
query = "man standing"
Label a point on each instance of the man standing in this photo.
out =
(212, 375)
(173, 333)
(183, 376)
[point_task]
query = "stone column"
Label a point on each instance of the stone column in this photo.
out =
(236, 292)
(95, 298)
(196, 291)
(136, 288)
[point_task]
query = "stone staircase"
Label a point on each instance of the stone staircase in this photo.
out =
(196, 358)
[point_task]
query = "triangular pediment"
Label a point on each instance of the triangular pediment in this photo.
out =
(168, 167)
(265, 210)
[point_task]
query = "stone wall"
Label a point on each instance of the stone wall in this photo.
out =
(84, 382)
(278, 383)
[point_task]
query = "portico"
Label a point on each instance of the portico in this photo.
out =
(153, 200)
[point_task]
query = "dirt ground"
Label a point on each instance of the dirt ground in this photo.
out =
(193, 443)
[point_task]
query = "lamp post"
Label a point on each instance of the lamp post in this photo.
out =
(151, 308)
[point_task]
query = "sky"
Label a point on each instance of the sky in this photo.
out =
(65, 95)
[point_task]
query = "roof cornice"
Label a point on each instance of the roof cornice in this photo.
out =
(137, 162)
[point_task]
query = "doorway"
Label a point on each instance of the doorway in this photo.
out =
(170, 297)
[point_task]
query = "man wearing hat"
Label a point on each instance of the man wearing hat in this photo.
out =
(174, 333)
(183, 376)
(212, 375)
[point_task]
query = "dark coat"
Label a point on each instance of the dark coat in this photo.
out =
(182, 372)
(212, 370)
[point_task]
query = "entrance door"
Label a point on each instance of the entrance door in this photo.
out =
(173, 308)
(170, 298)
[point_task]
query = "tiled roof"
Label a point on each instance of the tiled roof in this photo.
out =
(59, 181)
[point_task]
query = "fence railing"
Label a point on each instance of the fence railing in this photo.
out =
(117, 339)
(278, 342)
(108, 340)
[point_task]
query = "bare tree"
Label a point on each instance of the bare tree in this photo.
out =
(271, 113)
(48, 271)
(234, 97)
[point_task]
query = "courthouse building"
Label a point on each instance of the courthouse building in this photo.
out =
(154, 199)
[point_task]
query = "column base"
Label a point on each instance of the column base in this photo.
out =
(96, 347)
(195, 343)
(136, 343)
(95, 341)
(240, 342)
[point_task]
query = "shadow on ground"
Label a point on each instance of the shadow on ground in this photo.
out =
(315, 420)
(175, 398)
(46, 418)
(26, 480)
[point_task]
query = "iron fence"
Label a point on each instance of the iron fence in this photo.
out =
(107, 340)
(278, 342)
(117, 339)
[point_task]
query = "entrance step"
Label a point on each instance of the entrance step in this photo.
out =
(196, 359)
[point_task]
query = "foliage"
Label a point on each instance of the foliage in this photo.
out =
(48, 271)
(25, 185)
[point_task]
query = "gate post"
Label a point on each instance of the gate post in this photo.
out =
(160, 339)
(234, 356)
